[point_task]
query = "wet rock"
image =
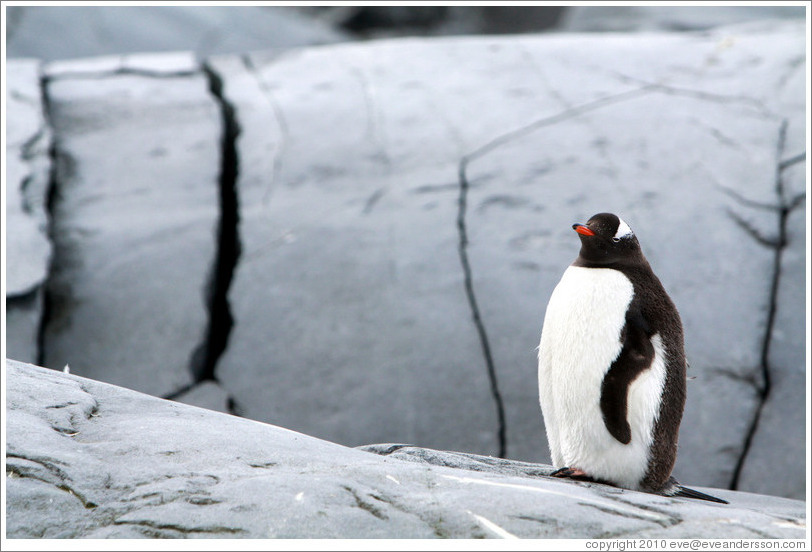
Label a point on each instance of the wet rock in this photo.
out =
(121, 464)
(135, 220)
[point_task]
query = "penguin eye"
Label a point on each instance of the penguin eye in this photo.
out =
(615, 240)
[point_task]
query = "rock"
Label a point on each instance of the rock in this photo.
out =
(667, 18)
(27, 173)
(56, 32)
(351, 243)
(787, 376)
(351, 318)
(23, 317)
(389, 21)
(208, 394)
(534, 180)
(113, 463)
(135, 220)
(400, 241)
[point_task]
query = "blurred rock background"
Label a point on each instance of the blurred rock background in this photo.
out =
(357, 240)
(55, 32)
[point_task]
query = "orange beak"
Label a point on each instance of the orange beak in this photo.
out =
(583, 229)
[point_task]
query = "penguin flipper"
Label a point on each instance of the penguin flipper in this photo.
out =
(691, 493)
(635, 356)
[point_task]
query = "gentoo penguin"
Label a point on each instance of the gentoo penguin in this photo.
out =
(612, 366)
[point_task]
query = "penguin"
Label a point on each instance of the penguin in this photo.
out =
(611, 367)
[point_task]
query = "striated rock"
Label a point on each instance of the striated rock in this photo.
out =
(134, 219)
(91, 460)
(27, 173)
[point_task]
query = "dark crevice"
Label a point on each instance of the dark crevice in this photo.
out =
(753, 232)
(89, 75)
(480, 326)
(212, 529)
(678, 91)
(464, 186)
(61, 486)
(746, 201)
(204, 359)
(27, 149)
(51, 197)
(764, 386)
(794, 160)
(366, 506)
(171, 396)
(26, 299)
(62, 480)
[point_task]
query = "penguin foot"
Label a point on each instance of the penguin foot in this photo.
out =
(572, 473)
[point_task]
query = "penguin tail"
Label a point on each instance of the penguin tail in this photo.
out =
(673, 488)
(691, 493)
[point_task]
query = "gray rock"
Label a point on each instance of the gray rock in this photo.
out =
(91, 460)
(529, 186)
(208, 394)
(135, 219)
(667, 18)
(355, 315)
(351, 286)
(781, 430)
(27, 165)
(56, 32)
(351, 317)
(23, 317)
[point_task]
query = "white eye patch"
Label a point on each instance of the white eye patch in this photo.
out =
(623, 230)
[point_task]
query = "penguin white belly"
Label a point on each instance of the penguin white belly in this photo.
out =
(579, 341)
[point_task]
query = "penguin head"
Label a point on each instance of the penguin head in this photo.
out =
(607, 239)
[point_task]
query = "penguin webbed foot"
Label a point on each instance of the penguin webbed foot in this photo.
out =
(573, 473)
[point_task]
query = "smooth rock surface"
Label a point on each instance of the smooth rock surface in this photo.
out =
(351, 317)
(667, 18)
(23, 317)
(27, 169)
(135, 220)
(57, 32)
(91, 460)
(208, 394)
(27, 165)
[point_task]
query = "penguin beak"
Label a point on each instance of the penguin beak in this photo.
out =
(583, 229)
